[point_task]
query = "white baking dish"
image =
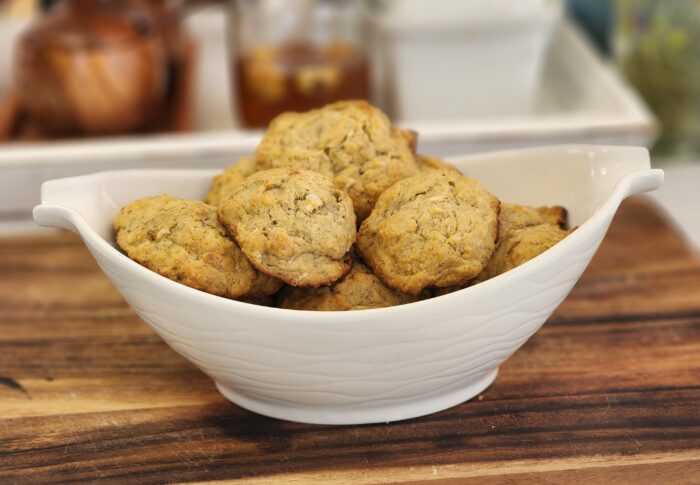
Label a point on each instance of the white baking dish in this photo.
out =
(580, 100)
(371, 365)
(449, 60)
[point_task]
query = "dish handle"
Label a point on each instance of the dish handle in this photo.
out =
(54, 216)
(59, 200)
(645, 181)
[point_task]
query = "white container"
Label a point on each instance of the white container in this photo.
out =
(450, 59)
(580, 99)
(374, 365)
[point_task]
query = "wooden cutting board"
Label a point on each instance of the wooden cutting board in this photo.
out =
(608, 391)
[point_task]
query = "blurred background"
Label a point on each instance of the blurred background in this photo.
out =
(96, 85)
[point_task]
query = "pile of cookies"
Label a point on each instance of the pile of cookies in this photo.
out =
(336, 211)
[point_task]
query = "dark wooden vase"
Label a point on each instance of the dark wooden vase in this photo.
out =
(92, 68)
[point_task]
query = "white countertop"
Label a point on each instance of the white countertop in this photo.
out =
(679, 196)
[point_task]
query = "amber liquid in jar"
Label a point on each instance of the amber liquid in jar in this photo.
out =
(297, 77)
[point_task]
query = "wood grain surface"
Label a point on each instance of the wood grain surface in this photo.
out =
(608, 391)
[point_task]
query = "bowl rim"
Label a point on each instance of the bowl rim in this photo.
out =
(114, 255)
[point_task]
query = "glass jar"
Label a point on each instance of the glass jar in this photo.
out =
(656, 48)
(295, 55)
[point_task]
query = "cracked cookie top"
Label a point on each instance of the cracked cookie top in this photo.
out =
(435, 229)
(351, 142)
(292, 224)
(183, 241)
(360, 289)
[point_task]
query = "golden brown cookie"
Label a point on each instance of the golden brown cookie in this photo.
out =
(514, 217)
(350, 141)
(410, 136)
(360, 289)
(292, 224)
(264, 286)
(437, 228)
(224, 183)
(430, 162)
(521, 246)
(183, 240)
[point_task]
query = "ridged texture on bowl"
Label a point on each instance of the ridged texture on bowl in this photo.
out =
(326, 371)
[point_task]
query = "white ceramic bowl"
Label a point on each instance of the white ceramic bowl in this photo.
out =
(372, 365)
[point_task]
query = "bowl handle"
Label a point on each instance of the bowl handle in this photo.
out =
(645, 181)
(54, 216)
(62, 200)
